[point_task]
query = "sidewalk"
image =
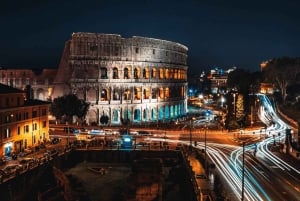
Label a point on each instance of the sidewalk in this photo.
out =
(203, 181)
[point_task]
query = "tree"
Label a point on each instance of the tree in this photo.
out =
(69, 105)
(282, 72)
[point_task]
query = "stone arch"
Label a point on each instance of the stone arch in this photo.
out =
(92, 116)
(127, 94)
(145, 114)
(146, 93)
(103, 73)
(137, 93)
(115, 73)
(161, 73)
(40, 94)
(146, 73)
(137, 115)
(91, 94)
(116, 94)
(104, 95)
(161, 113)
(115, 116)
(167, 112)
(126, 73)
(153, 114)
(171, 111)
(153, 73)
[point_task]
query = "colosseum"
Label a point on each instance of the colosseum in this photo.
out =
(137, 80)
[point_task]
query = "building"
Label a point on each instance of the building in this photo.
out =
(39, 81)
(137, 80)
(23, 122)
(218, 78)
(266, 87)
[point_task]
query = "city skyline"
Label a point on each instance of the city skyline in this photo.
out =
(217, 34)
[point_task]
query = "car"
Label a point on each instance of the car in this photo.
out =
(28, 161)
(55, 140)
(26, 152)
(12, 168)
(51, 153)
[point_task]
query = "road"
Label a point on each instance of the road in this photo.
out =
(266, 176)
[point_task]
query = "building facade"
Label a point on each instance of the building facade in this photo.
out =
(39, 82)
(136, 79)
(23, 122)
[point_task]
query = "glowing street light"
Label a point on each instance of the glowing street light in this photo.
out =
(234, 109)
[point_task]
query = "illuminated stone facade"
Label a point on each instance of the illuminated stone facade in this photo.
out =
(139, 79)
(23, 122)
(40, 82)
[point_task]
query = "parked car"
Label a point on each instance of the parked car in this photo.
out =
(54, 140)
(52, 153)
(26, 152)
(27, 162)
(12, 168)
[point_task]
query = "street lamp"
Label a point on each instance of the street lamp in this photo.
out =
(234, 109)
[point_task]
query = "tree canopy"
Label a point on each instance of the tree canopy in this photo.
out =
(68, 105)
(282, 72)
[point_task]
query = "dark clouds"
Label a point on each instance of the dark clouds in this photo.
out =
(217, 33)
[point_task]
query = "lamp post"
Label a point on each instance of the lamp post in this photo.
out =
(234, 109)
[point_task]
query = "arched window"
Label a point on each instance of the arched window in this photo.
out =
(145, 114)
(135, 74)
(104, 95)
(116, 95)
(127, 94)
(103, 73)
(146, 93)
(154, 93)
(115, 115)
(137, 115)
(161, 73)
(167, 73)
(126, 73)
(167, 92)
(161, 93)
(153, 73)
(137, 93)
(115, 73)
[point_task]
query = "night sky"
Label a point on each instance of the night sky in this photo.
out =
(222, 33)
